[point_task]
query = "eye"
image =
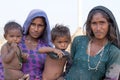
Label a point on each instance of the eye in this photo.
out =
(33, 24)
(40, 26)
(19, 36)
(102, 22)
(11, 36)
(66, 41)
(93, 23)
(59, 42)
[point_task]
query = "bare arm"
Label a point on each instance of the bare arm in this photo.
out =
(8, 54)
(50, 49)
(46, 49)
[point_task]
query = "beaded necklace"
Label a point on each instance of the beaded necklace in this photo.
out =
(101, 50)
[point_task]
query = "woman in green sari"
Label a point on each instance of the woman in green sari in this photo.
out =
(96, 56)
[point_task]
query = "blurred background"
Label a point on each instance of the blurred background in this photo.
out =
(72, 13)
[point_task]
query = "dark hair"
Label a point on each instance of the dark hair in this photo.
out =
(59, 31)
(12, 25)
(113, 33)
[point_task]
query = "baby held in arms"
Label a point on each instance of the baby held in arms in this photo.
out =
(12, 57)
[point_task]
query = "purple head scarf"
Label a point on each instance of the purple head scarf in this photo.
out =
(38, 13)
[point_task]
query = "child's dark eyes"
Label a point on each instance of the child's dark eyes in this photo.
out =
(15, 36)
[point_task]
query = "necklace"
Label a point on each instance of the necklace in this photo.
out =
(30, 42)
(101, 54)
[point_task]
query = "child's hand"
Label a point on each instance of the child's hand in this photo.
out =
(58, 52)
(14, 46)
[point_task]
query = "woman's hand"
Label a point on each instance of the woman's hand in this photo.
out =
(25, 56)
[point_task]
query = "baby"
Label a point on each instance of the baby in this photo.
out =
(12, 57)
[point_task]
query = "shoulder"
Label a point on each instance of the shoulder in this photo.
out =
(4, 46)
(80, 38)
(43, 43)
(114, 51)
(113, 48)
(114, 54)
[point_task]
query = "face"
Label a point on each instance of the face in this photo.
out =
(61, 42)
(99, 26)
(13, 35)
(36, 28)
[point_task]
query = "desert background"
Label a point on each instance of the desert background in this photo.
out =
(69, 12)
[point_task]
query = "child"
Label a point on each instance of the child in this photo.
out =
(11, 54)
(54, 65)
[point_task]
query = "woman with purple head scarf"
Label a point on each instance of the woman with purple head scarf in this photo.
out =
(36, 31)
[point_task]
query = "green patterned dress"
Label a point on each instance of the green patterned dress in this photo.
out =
(108, 69)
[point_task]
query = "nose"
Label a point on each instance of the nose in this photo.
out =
(36, 28)
(15, 38)
(63, 45)
(98, 26)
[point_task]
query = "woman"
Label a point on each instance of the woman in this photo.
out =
(96, 56)
(36, 31)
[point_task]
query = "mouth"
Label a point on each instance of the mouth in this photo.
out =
(36, 34)
(98, 33)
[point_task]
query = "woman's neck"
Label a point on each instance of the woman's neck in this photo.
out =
(31, 39)
(31, 42)
(100, 42)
